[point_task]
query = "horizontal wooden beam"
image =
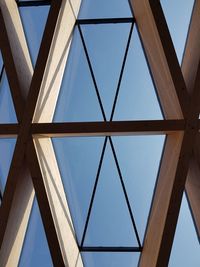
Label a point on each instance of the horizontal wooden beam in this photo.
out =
(107, 128)
(9, 130)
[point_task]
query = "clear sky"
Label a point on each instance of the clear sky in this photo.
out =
(78, 158)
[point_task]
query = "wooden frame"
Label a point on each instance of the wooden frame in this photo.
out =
(35, 95)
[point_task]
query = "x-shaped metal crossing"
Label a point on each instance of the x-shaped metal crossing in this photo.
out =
(35, 94)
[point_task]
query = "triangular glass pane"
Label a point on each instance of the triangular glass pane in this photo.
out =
(110, 222)
(186, 248)
(139, 158)
(178, 14)
(137, 99)
(7, 111)
(35, 250)
(34, 20)
(111, 259)
(104, 9)
(106, 45)
(77, 99)
(78, 160)
(7, 146)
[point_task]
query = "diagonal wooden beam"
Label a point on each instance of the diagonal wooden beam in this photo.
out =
(17, 202)
(190, 69)
(46, 79)
(47, 171)
(12, 185)
(161, 57)
(176, 103)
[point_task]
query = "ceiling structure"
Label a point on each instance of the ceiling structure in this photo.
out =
(34, 168)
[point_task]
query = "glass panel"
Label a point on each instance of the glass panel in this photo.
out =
(139, 158)
(106, 44)
(104, 9)
(7, 111)
(7, 146)
(110, 259)
(110, 222)
(35, 250)
(77, 99)
(185, 249)
(137, 99)
(78, 160)
(34, 27)
(178, 15)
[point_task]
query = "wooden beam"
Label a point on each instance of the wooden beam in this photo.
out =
(57, 202)
(42, 80)
(18, 195)
(190, 69)
(47, 179)
(9, 130)
(56, 63)
(15, 54)
(176, 103)
(193, 192)
(19, 153)
(19, 214)
(107, 128)
(161, 57)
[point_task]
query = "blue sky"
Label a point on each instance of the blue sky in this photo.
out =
(78, 158)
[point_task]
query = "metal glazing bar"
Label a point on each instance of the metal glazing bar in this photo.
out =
(92, 73)
(121, 72)
(125, 193)
(104, 21)
(1, 73)
(94, 191)
(34, 3)
(110, 249)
